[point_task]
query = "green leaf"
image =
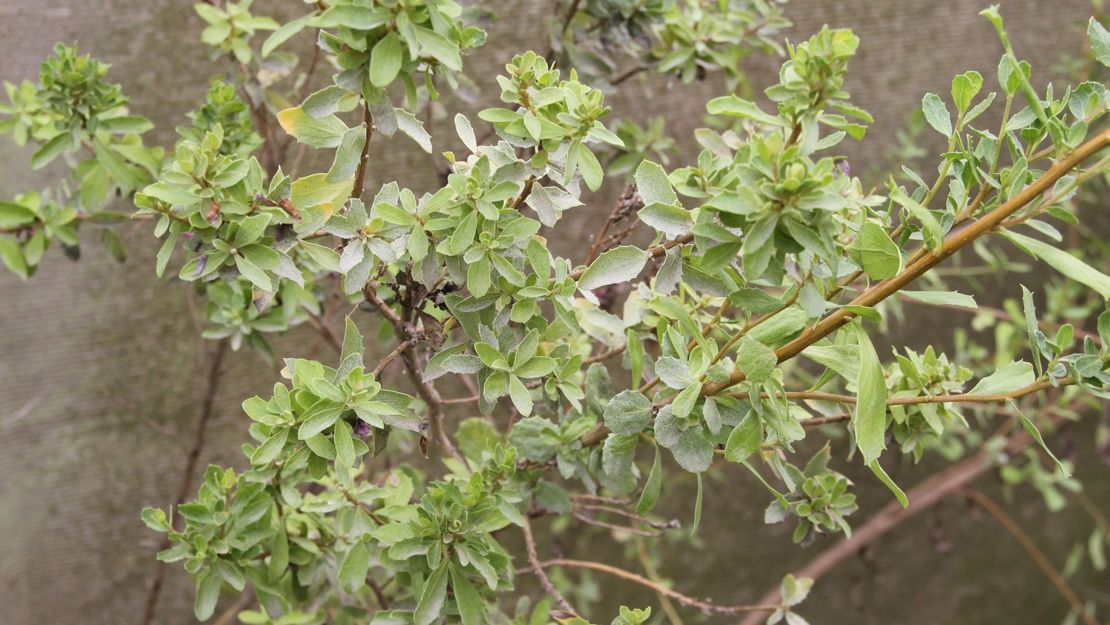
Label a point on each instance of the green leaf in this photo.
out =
(620, 264)
(869, 422)
(412, 126)
(964, 89)
(1100, 41)
(877, 253)
(781, 327)
(322, 132)
(472, 610)
(936, 114)
(279, 555)
(318, 419)
(250, 230)
(693, 452)
(628, 413)
(652, 486)
(51, 150)
(208, 594)
(352, 16)
(172, 195)
(13, 258)
(756, 360)
(15, 215)
(430, 605)
(670, 219)
(746, 439)
(324, 256)
(732, 106)
(943, 298)
(685, 401)
(1029, 310)
(877, 469)
(443, 51)
(348, 155)
(283, 34)
(270, 448)
(697, 507)
(352, 573)
(591, 170)
(933, 233)
(125, 175)
(344, 443)
(1063, 262)
(253, 273)
(1035, 434)
(520, 395)
(466, 132)
(1007, 378)
(352, 341)
(385, 60)
(653, 185)
(325, 101)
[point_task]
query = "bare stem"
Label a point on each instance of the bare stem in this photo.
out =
(211, 385)
(1014, 528)
(704, 606)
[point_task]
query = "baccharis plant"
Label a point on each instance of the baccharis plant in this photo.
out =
(744, 328)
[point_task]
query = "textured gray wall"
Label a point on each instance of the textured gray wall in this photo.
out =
(100, 364)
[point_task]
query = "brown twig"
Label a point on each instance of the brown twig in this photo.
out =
(628, 201)
(1014, 528)
(537, 568)
(397, 351)
(704, 606)
(953, 243)
(211, 385)
(967, 398)
(364, 159)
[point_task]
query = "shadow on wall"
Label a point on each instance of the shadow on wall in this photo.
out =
(99, 362)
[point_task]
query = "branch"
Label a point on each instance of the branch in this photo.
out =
(704, 606)
(211, 385)
(405, 344)
(360, 173)
(537, 568)
(952, 244)
(967, 398)
(1014, 528)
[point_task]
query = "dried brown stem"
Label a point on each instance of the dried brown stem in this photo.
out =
(211, 385)
(1014, 529)
(704, 606)
(537, 568)
(364, 159)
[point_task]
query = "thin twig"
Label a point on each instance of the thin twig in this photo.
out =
(537, 568)
(364, 159)
(1014, 528)
(653, 574)
(704, 606)
(967, 398)
(401, 347)
(211, 385)
(953, 243)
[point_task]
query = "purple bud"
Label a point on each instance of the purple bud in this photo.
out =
(844, 168)
(362, 428)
